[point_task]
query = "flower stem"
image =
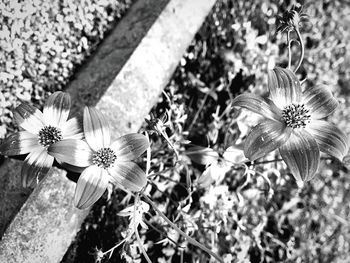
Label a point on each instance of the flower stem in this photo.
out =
(269, 161)
(187, 237)
(170, 144)
(289, 50)
(200, 108)
(137, 198)
(302, 50)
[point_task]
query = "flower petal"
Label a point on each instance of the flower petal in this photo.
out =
(72, 129)
(19, 143)
(56, 109)
(29, 118)
(96, 129)
(264, 138)
(130, 146)
(214, 173)
(36, 166)
(91, 185)
(234, 155)
(284, 87)
(258, 105)
(129, 175)
(302, 155)
(330, 139)
(320, 101)
(74, 152)
(202, 155)
(205, 179)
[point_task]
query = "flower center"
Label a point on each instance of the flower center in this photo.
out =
(49, 135)
(104, 158)
(296, 116)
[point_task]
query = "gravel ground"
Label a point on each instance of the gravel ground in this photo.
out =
(42, 43)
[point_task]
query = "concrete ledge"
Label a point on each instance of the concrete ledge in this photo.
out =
(123, 79)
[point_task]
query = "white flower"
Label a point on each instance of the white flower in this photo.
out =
(41, 130)
(104, 161)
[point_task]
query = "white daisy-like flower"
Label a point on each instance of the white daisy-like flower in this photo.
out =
(103, 161)
(294, 124)
(41, 130)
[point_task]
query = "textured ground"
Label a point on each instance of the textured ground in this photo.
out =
(43, 43)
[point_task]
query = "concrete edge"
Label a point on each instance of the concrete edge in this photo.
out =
(46, 224)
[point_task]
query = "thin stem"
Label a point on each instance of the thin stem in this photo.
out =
(162, 233)
(148, 163)
(160, 173)
(170, 144)
(269, 161)
(289, 50)
(112, 249)
(302, 50)
(200, 108)
(137, 233)
(166, 193)
(187, 237)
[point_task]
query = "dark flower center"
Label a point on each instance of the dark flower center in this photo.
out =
(49, 135)
(296, 116)
(104, 158)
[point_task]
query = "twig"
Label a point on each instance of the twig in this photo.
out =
(302, 50)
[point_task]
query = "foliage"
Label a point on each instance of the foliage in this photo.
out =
(251, 211)
(259, 216)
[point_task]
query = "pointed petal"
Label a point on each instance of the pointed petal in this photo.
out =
(90, 187)
(29, 118)
(234, 155)
(258, 105)
(264, 138)
(284, 87)
(56, 109)
(96, 129)
(74, 152)
(35, 167)
(130, 146)
(72, 129)
(202, 155)
(330, 139)
(214, 173)
(320, 101)
(129, 175)
(205, 179)
(19, 143)
(302, 155)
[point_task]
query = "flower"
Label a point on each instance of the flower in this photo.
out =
(293, 124)
(41, 129)
(216, 166)
(103, 161)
